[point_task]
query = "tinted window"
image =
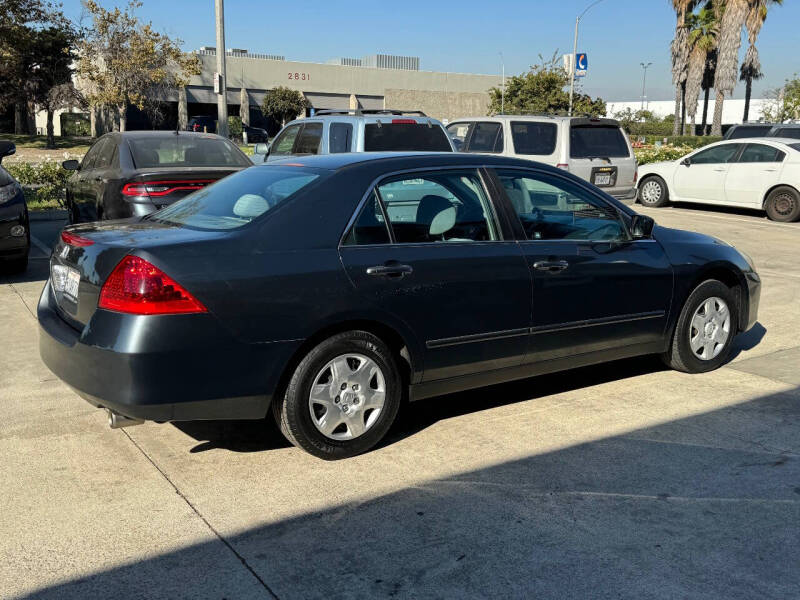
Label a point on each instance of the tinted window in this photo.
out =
(284, 143)
(236, 200)
(458, 133)
(309, 139)
(398, 137)
(756, 153)
(788, 132)
(185, 151)
(370, 227)
(795, 147)
(341, 137)
(718, 154)
(105, 155)
(749, 131)
(485, 136)
(551, 208)
(93, 154)
(438, 207)
(597, 141)
(533, 138)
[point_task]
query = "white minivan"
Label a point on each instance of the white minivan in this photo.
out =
(594, 149)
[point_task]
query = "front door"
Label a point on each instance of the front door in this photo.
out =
(594, 288)
(444, 268)
(702, 178)
(757, 170)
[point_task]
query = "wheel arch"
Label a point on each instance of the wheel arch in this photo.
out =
(661, 176)
(772, 189)
(732, 277)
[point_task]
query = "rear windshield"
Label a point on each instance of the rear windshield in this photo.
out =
(597, 142)
(751, 131)
(399, 137)
(185, 151)
(237, 199)
(533, 138)
(788, 132)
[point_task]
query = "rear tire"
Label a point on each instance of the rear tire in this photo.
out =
(653, 192)
(703, 337)
(362, 404)
(783, 205)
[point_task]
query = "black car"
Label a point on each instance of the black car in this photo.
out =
(786, 131)
(327, 288)
(137, 172)
(255, 135)
(202, 125)
(747, 130)
(15, 235)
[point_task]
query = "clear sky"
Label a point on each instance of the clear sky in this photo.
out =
(467, 36)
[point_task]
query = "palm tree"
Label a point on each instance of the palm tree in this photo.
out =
(703, 28)
(751, 67)
(708, 83)
(733, 19)
(680, 57)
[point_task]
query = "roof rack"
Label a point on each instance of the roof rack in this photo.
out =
(357, 112)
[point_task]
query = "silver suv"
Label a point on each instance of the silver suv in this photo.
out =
(334, 131)
(594, 149)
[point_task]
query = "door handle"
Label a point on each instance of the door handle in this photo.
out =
(720, 169)
(551, 266)
(390, 270)
(770, 170)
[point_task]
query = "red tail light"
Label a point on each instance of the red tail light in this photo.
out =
(140, 288)
(564, 166)
(162, 188)
(75, 240)
(636, 175)
(404, 122)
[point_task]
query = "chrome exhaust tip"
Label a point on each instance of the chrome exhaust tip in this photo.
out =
(118, 421)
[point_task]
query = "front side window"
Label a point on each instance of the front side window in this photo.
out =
(284, 143)
(760, 153)
(485, 138)
(90, 159)
(552, 208)
(723, 153)
(405, 137)
(458, 133)
(237, 199)
(436, 207)
(533, 137)
(341, 137)
(597, 141)
(173, 150)
(309, 139)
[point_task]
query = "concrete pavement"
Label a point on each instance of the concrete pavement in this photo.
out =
(624, 480)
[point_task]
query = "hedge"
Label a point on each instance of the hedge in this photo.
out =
(43, 183)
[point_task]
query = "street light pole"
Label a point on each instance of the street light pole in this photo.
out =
(574, 52)
(222, 97)
(503, 88)
(644, 83)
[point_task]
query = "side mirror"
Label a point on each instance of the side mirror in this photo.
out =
(71, 165)
(261, 148)
(686, 162)
(6, 149)
(642, 227)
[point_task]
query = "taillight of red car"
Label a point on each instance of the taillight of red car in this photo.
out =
(162, 188)
(138, 287)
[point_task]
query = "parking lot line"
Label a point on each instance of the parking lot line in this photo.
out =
(749, 221)
(40, 245)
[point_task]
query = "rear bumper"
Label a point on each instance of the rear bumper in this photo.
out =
(624, 194)
(161, 368)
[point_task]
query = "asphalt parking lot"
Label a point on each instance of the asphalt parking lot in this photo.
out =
(623, 480)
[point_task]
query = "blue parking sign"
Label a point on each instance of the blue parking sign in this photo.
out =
(581, 64)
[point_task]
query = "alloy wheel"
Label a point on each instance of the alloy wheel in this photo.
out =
(710, 328)
(651, 192)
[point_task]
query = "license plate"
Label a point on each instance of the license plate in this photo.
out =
(71, 284)
(602, 180)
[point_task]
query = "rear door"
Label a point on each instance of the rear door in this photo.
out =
(444, 267)
(600, 153)
(702, 178)
(756, 170)
(535, 140)
(84, 187)
(402, 134)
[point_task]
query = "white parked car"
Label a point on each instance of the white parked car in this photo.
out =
(762, 173)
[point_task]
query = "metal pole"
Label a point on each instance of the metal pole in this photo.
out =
(573, 65)
(222, 98)
(503, 89)
(644, 83)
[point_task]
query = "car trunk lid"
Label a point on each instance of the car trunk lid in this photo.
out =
(165, 186)
(600, 153)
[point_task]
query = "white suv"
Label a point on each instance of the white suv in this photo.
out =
(594, 149)
(334, 131)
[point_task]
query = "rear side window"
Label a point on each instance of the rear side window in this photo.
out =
(788, 132)
(185, 151)
(458, 133)
(309, 139)
(758, 153)
(485, 138)
(531, 137)
(237, 199)
(597, 142)
(749, 131)
(370, 227)
(341, 137)
(400, 137)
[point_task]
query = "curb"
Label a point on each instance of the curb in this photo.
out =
(55, 214)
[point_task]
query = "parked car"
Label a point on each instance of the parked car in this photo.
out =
(326, 288)
(137, 172)
(761, 173)
(786, 131)
(747, 130)
(15, 235)
(254, 135)
(202, 124)
(594, 149)
(336, 131)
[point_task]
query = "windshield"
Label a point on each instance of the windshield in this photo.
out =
(238, 199)
(185, 151)
(401, 137)
(749, 131)
(597, 142)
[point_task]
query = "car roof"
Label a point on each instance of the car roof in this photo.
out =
(753, 140)
(403, 160)
(164, 133)
(543, 117)
(369, 118)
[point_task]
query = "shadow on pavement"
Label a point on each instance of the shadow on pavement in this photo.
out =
(706, 506)
(748, 340)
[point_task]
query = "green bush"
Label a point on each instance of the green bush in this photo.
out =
(235, 126)
(43, 183)
(693, 141)
(650, 155)
(75, 124)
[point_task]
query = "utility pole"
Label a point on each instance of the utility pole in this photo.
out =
(644, 83)
(222, 97)
(574, 52)
(503, 88)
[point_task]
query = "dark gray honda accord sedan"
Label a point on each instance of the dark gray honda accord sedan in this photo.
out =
(324, 289)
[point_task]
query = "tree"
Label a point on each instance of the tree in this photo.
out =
(126, 62)
(783, 104)
(702, 29)
(751, 67)
(730, 40)
(284, 104)
(679, 54)
(543, 89)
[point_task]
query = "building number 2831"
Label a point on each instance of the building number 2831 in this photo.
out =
(300, 76)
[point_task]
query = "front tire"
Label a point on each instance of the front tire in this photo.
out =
(704, 334)
(783, 205)
(653, 192)
(342, 397)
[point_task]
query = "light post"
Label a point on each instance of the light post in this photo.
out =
(222, 97)
(644, 82)
(503, 88)
(574, 52)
